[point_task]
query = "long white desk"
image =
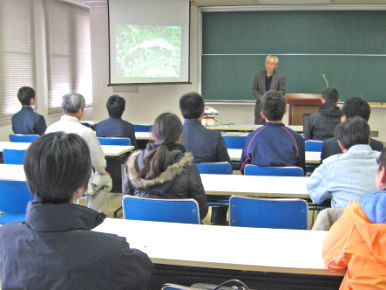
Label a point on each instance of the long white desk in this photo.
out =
(248, 249)
(108, 150)
(143, 136)
(260, 186)
(218, 184)
(247, 127)
(311, 157)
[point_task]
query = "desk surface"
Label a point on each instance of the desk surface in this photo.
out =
(261, 186)
(218, 184)
(311, 157)
(247, 127)
(108, 150)
(143, 136)
(252, 249)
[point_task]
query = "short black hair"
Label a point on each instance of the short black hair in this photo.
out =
(115, 106)
(25, 94)
(381, 160)
(330, 95)
(273, 105)
(192, 105)
(356, 107)
(352, 132)
(56, 166)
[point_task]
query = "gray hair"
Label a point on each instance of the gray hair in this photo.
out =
(72, 102)
(272, 56)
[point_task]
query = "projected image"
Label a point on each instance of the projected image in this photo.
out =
(148, 51)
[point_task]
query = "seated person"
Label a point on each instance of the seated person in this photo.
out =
(273, 145)
(350, 175)
(54, 248)
(73, 105)
(321, 125)
(205, 145)
(115, 126)
(26, 121)
(163, 169)
(351, 108)
(356, 242)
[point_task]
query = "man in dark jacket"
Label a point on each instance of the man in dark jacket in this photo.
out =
(205, 145)
(321, 125)
(351, 108)
(115, 126)
(26, 121)
(55, 248)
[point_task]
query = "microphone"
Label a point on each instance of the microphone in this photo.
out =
(325, 79)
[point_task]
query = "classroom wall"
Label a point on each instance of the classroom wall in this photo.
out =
(145, 102)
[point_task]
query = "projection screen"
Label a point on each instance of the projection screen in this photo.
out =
(149, 41)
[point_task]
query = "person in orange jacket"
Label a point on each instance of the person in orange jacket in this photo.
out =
(356, 243)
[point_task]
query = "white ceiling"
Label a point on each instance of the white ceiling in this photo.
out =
(103, 3)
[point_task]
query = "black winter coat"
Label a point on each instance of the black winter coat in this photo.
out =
(181, 178)
(321, 125)
(55, 249)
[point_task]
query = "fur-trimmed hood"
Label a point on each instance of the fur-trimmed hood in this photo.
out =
(179, 162)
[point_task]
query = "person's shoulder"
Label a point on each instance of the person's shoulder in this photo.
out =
(374, 206)
(376, 145)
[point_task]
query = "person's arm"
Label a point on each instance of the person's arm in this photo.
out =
(222, 151)
(301, 160)
(40, 126)
(317, 185)
(255, 87)
(196, 190)
(307, 130)
(98, 160)
(132, 136)
(281, 87)
(334, 246)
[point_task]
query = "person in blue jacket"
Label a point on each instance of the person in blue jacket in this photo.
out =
(26, 121)
(114, 126)
(273, 145)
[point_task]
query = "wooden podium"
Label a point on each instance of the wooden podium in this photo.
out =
(300, 105)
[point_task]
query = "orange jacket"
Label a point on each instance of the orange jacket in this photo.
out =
(358, 246)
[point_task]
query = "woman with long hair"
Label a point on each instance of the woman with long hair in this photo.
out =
(163, 169)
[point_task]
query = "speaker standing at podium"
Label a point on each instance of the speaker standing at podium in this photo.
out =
(265, 81)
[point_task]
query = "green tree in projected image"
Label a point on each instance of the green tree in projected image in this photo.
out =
(148, 51)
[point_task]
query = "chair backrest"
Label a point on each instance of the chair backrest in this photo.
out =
(314, 145)
(214, 168)
(114, 141)
(22, 138)
(143, 128)
(251, 169)
(13, 156)
(268, 213)
(235, 142)
(14, 197)
(161, 210)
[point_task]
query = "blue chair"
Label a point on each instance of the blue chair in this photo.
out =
(235, 142)
(13, 156)
(268, 213)
(251, 169)
(214, 168)
(314, 145)
(14, 197)
(161, 210)
(114, 141)
(143, 128)
(22, 138)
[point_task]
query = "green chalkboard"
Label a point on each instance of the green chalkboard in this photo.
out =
(349, 47)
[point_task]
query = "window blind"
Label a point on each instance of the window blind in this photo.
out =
(16, 53)
(68, 52)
